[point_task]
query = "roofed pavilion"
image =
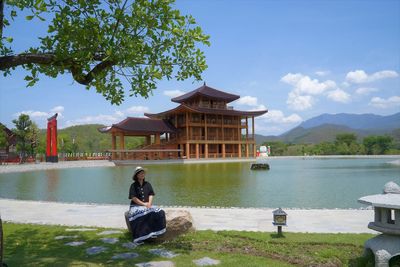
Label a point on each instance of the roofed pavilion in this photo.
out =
(201, 126)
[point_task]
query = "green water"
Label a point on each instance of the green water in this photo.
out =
(290, 183)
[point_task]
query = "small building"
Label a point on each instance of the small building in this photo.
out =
(386, 246)
(201, 126)
(10, 147)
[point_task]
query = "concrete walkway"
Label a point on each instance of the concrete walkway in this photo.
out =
(250, 219)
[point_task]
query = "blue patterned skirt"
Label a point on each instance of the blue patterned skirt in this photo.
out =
(146, 222)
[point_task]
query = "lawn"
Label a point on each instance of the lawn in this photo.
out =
(40, 245)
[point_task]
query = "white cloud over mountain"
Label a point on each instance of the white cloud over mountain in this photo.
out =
(305, 90)
(339, 95)
(390, 102)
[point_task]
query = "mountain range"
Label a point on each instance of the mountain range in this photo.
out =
(325, 127)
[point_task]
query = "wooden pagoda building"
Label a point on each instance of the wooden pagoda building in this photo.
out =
(201, 126)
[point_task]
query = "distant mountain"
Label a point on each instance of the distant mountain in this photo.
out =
(355, 121)
(325, 127)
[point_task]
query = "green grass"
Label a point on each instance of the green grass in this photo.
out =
(35, 245)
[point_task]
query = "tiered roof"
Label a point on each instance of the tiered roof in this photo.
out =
(184, 107)
(141, 126)
(208, 92)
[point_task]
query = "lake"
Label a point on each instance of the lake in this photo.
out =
(290, 183)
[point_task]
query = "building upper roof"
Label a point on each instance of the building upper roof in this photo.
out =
(184, 107)
(141, 126)
(208, 92)
(389, 199)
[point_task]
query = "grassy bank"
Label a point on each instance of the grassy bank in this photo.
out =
(36, 245)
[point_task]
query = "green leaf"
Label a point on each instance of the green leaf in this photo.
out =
(9, 39)
(29, 17)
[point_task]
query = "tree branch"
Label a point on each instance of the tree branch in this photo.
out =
(1, 18)
(7, 62)
(81, 78)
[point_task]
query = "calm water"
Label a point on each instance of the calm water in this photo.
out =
(290, 183)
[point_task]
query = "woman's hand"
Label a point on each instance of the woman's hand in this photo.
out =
(147, 205)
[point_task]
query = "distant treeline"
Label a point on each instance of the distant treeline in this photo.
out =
(344, 144)
(31, 141)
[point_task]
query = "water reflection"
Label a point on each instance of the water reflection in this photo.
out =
(333, 183)
(52, 184)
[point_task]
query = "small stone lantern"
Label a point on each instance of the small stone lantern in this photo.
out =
(279, 219)
(387, 221)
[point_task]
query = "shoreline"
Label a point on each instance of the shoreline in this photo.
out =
(105, 163)
(239, 219)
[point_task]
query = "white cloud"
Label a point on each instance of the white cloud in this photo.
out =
(378, 102)
(305, 85)
(339, 95)
(137, 110)
(300, 102)
(33, 114)
(98, 119)
(322, 72)
(304, 90)
(248, 100)
(173, 93)
(57, 109)
(366, 90)
(360, 76)
(277, 116)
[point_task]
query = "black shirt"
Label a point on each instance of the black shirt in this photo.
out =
(140, 192)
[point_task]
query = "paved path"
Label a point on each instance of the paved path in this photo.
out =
(251, 219)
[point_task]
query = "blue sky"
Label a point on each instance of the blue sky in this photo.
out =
(298, 59)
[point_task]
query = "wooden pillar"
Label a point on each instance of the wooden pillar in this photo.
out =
(157, 139)
(187, 126)
(252, 127)
(238, 128)
(197, 150)
(122, 144)
(113, 144)
(206, 151)
(205, 127)
(187, 150)
(254, 150)
(222, 128)
(223, 151)
(247, 129)
(239, 150)
(113, 141)
(247, 150)
(148, 140)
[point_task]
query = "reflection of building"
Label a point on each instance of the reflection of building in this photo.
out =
(385, 247)
(202, 126)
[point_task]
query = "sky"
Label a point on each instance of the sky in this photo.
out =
(298, 59)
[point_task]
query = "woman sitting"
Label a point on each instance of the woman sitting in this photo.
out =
(146, 220)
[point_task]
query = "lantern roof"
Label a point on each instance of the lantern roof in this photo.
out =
(279, 212)
(390, 198)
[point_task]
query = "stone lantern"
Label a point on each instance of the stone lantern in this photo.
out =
(387, 221)
(279, 219)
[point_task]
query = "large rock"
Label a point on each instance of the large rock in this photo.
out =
(178, 222)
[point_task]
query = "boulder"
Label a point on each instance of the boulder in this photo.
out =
(178, 222)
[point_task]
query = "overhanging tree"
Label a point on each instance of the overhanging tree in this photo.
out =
(100, 43)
